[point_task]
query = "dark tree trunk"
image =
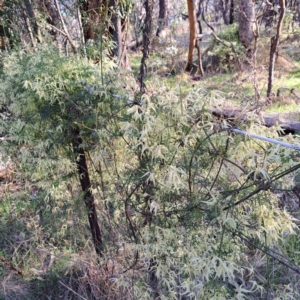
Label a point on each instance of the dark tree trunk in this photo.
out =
(32, 20)
(147, 31)
(118, 33)
(52, 15)
(116, 30)
(153, 280)
(231, 12)
(90, 10)
(88, 197)
(96, 15)
(162, 16)
(274, 45)
(199, 16)
(224, 9)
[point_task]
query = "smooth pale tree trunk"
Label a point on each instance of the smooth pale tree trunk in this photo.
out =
(246, 22)
(274, 45)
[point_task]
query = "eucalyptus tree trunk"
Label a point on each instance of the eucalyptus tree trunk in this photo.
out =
(193, 39)
(274, 45)
(162, 16)
(246, 22)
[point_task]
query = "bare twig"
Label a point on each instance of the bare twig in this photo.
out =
(56, 29)
(268, 252)
(72, 291)
(220, 154)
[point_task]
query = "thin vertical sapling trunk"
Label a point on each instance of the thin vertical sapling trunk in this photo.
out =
(274, 45)
(148, 5)
(88, 197)
(254, 61)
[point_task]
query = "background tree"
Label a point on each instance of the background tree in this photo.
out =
(224, 9)
(193, 39)
(31, 22)
(274, 45)
(246, 23)
(8, 32)
(162, 16)
(104, 20)
(52, 16)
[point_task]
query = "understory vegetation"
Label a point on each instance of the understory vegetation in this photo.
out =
(112, 193)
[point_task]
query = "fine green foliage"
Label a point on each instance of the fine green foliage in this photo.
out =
(184, 205)
(230, 55)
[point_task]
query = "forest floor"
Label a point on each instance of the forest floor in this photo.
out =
(237, 86)
(46, 267)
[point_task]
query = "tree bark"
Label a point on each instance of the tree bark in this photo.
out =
(231, 12)
(162, 16)
(96, 14)
(246, 22)
(118, 33)
(193, 31)
(88, 197)
(147, 31)
(153, 280)
(90, 11)
(52, 15)
(284, 120)
(224, 9)
(32, 19)
(273, 49)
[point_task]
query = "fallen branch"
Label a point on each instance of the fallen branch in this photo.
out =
(268, 120)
